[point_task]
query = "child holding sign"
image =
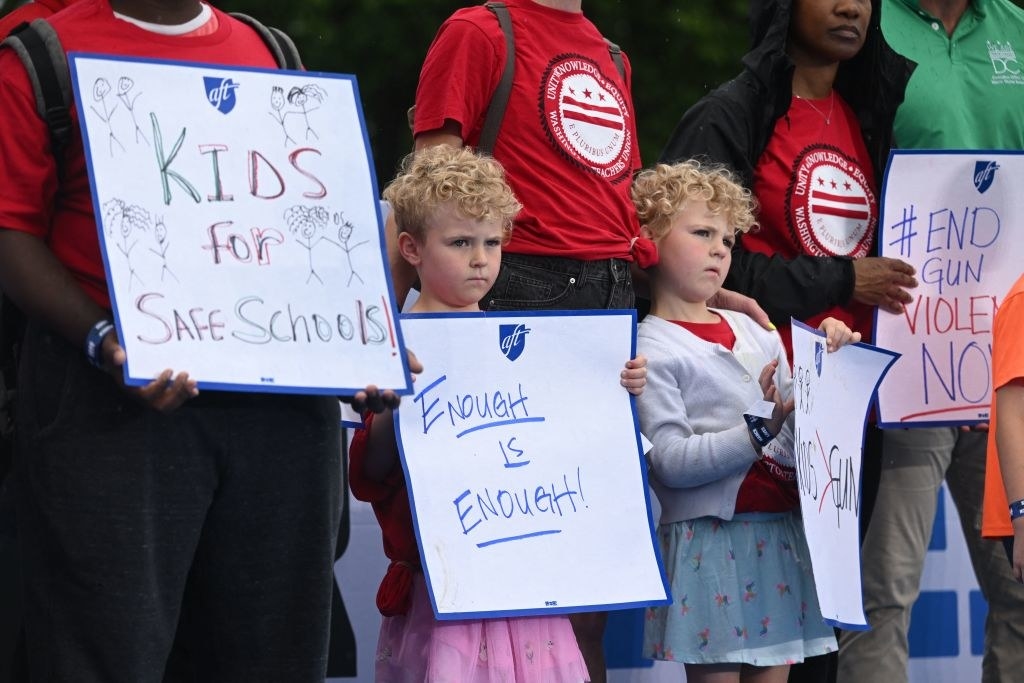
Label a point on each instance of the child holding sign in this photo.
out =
(454, 210)
(722, 465)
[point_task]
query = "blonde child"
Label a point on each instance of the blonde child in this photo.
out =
(454, 212)
(744, 603)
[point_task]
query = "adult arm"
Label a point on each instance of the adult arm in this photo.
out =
(1010, 443)
(718, 129)
(43, 288)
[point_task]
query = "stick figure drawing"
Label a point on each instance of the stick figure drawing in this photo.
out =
(303, 98)
(345, 229)
(308, 224)
(124, 223)
(100, 89)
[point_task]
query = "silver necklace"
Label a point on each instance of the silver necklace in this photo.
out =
(831, 106)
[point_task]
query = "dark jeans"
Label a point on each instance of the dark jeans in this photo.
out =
(223, 513)
(552, 283)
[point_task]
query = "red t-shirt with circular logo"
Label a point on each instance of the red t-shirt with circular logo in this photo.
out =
(816, 189)
(568, 139)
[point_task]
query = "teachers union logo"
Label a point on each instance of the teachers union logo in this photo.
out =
(984, 175)
(220, 93)
(512, 339)
(819, 356)
(586, 117)
(830, 207)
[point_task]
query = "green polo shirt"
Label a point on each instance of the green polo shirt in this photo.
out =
(967, 91)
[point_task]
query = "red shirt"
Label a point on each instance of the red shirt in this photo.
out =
(568, 140)
(62, 215)
(816, 189)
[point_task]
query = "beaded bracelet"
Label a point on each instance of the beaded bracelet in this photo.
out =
(94, 341)
(758, 430)
(1016, 509)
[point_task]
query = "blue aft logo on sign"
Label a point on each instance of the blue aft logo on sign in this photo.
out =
(819, 355)
(984, 174)
(220, 92)
(512, 339)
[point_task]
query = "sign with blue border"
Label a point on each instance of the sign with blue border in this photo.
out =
(239, 225)
(832, 393)
(954, 216)
(525, 466)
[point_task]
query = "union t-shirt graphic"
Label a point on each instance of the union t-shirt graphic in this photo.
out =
(830, 207)
(586, 117)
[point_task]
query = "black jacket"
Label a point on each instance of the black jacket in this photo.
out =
(733, 123)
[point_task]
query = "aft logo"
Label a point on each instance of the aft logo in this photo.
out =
(984, 175)
(220, 92)
(819, 356)
(512, 339)
(1005, 67)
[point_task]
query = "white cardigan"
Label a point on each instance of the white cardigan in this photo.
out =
(692, 411)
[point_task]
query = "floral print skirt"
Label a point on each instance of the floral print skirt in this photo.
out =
(743, 593)
(416, 648)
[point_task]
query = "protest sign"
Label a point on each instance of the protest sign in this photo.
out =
(239, 225)
(832, 392)
(523, 460)
(953, 216)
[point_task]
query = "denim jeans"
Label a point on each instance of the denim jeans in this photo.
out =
(553, 283)
(222, 514)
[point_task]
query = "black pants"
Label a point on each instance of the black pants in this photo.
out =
(223, 513)
(528, 283)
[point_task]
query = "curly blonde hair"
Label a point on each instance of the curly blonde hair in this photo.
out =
(662, 192)
(434, 176)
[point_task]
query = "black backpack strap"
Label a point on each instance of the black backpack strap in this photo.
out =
(47, 66)
(278, 42)
(616, 52)
(499, 100)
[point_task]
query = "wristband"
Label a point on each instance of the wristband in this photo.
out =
(1016, 509)
(94, 341)
(759, 431)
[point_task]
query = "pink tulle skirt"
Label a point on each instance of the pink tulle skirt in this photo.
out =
(416, 648)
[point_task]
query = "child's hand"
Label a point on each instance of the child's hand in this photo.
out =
(634, 377)
(377, 401)
(837, 334)
(782, 408)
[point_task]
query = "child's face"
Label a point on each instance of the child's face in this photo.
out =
(694, 257)
(457, 260)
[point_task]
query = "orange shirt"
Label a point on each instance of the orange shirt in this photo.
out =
(1007, 365)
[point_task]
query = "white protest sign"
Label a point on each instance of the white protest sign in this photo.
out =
(956, 217)
(239, 225)
(833, 392)
(522, 455)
